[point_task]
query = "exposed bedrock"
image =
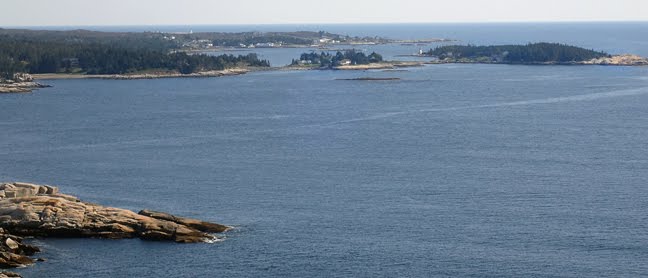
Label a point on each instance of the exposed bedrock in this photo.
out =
(42, 211)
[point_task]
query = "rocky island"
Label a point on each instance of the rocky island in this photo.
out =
(19, 83)
(30, 210)
(529, 54)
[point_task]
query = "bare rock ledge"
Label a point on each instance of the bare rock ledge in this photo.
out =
(40, 210)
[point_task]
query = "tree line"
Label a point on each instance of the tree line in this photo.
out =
(43, 56)
(327, 60)
(130, 40)
(529, 53)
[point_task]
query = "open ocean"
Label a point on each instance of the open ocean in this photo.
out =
(453, 171)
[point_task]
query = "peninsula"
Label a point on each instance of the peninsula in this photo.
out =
(42, 211)
(530, 54)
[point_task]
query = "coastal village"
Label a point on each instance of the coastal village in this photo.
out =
(205, 44)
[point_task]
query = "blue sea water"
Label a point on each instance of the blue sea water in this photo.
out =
(453, 171)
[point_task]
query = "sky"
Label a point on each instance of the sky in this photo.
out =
(200, 12)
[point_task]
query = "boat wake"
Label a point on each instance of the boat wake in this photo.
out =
(183, 141)
(575, 98)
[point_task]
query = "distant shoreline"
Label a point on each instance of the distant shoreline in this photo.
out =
(318, 46)
(160, 75)
(27, 87)
(219, 73)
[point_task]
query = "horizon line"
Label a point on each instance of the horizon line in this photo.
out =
(335, 23)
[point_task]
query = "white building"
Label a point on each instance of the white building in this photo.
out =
(345, 62)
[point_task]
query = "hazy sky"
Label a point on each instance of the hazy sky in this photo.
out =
(186, 12)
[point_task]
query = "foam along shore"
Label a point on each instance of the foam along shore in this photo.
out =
(33, 210)
(152, 75)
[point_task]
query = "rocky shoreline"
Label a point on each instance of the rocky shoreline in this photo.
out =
(20, 87)
(619, 60)
(20, 83)
(30, 210)
(26, 84)
(382, 65)
(152, 75)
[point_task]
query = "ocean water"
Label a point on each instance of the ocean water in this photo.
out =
(453, 171)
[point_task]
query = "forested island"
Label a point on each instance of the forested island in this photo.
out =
(529, 53)
(532, 53)
(328, 60)
(346, 60)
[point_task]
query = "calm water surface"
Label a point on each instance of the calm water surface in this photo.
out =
(456, 170)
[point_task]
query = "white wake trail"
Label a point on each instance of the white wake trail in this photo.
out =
(576, 98)
(226, 135)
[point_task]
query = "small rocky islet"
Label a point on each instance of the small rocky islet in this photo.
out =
(21, 83)
(31, 210)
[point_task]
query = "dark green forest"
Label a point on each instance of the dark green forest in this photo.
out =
(327, 60)
(49, 57)
(35, 57)
(529, 53)
(167, 41)
(103, 53)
